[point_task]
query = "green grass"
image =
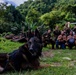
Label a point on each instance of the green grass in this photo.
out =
(63, 62)
(8, 46)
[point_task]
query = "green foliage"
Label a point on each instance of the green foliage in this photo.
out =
(48, 12)
(32, 10)
(52, 18)
(9, 27)
(2, 9)
(32, 16)
(39, 12)
(10, 17)
(70, 17)
(13, 15)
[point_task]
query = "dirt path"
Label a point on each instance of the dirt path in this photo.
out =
(47, 53)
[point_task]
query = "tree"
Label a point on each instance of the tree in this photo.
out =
(9, 17)
(51, 18)
(13, 15)
(32, 16)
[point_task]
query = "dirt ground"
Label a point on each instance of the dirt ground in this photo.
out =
(47, 53)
